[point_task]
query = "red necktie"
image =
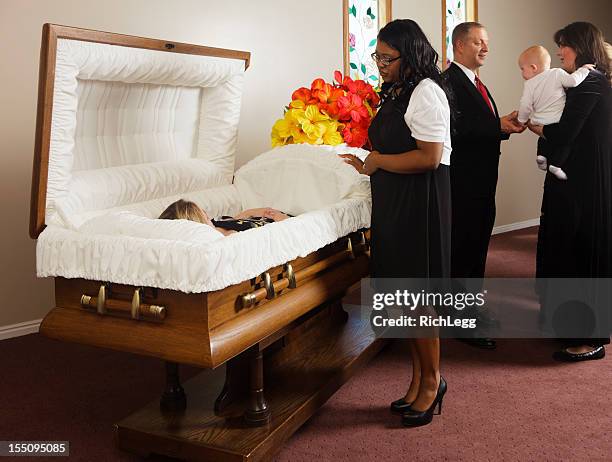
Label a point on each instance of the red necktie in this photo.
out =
(483, 91)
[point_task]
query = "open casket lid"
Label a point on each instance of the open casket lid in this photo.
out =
(107, 101)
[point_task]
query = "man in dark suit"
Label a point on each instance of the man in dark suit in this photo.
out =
(476, 138)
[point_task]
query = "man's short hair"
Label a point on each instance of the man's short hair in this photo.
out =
(462, 30)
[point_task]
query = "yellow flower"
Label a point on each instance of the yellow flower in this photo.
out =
(313, 123)
(306, 124)
(285, 130)
(333, 135)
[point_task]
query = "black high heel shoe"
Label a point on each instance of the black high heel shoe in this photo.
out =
(400, 406)
(412, 418)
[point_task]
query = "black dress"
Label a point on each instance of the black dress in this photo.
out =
(575, 235)
(240, 224)
(411, 214)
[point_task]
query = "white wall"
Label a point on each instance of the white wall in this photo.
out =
(513, 26)
(288, 50)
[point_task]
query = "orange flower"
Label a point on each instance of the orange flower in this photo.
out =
(303, 94)
(328, 98)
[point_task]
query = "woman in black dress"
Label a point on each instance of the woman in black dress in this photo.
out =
(409, 169)
(575, 236)
(247, 219)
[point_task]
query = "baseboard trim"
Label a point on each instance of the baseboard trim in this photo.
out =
(514, 226)
(17, 330)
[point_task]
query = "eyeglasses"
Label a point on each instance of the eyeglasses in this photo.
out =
(384, 60)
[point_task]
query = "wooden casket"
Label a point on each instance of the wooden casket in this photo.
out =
(127, 125)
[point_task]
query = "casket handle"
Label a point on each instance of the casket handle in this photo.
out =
(136, 304)
(267, 279)
(101, 303)
(270, 288)
(290, 276)
(112, 307)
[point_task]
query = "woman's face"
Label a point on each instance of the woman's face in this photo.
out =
(567, 55)
(387, 62)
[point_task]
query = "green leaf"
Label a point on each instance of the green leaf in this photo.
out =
(373, 77)
(450, 12)
(372, 43)
(353, 66)
(369, 12)
(354, 11)
(351, 49)
(459, 4)
(363, 68)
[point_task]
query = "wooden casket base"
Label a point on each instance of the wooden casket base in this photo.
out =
(301, 371)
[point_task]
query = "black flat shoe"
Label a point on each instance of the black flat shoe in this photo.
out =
(412, 418)
(565, 356)
(399, 406)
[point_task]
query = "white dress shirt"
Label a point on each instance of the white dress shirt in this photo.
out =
(428, 116)
(470, 73)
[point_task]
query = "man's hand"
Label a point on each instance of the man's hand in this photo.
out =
(510, 123)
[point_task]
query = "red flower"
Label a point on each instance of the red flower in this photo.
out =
(355, 135)
(351, 108)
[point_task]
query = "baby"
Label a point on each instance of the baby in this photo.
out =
(543, 100)
(252, 218)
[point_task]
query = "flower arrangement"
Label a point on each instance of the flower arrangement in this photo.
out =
(328, 114)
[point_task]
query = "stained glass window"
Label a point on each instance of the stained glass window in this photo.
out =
(455, 12)
(362, 21)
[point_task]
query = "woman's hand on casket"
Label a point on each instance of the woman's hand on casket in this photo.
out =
(366, 168)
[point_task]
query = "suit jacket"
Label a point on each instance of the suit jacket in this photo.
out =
(476, 138)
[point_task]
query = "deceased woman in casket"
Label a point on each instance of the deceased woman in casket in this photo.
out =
(247, 219)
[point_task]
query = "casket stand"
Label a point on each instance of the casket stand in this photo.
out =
(125, 126)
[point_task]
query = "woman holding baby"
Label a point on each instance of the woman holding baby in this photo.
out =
(575, 235)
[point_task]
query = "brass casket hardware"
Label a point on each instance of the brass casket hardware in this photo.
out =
(137, 310)
(292, 278)
(267, 279)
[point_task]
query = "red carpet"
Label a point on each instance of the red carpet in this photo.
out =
(514, 403)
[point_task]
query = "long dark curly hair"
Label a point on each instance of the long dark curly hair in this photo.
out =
(418, 59)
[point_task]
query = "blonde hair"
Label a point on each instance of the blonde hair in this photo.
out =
(537, 55)
(185, 210)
